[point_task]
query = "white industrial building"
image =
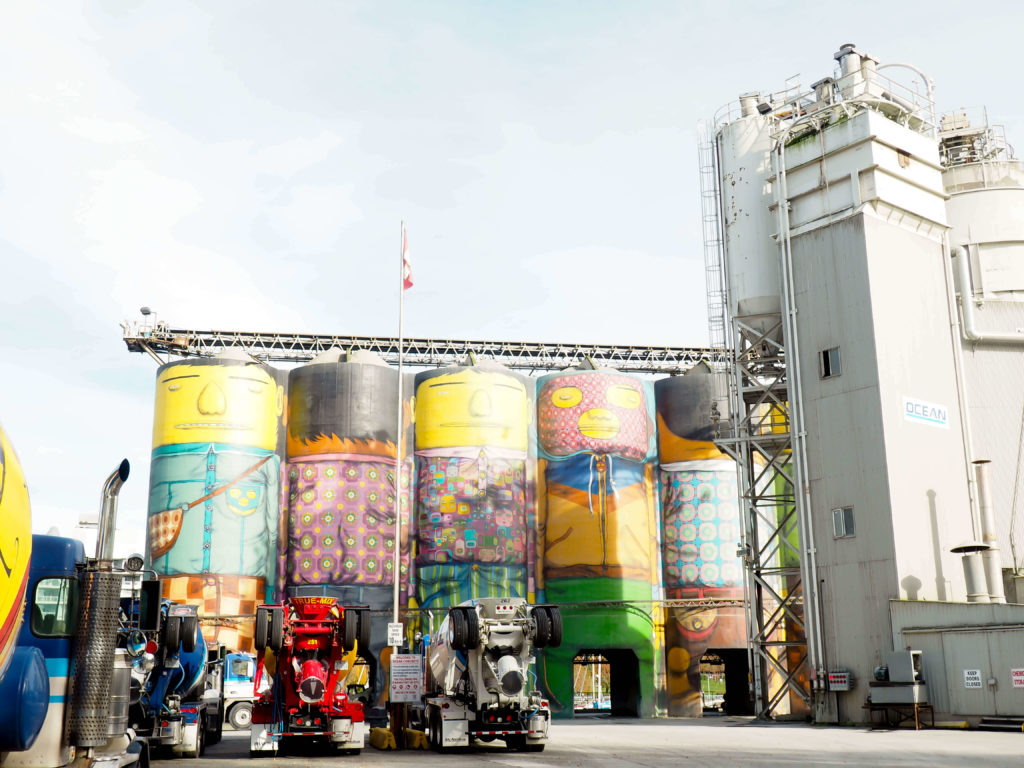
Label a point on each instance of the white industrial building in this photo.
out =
(868, 258)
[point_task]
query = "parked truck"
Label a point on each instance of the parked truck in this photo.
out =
(180, 705)
(239, 689)
(64, 700)
(478, 674)
(308, 647)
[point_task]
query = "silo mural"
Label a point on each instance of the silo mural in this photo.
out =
(600, 531)
(701, 533)
(340, 535)
(475, 515)
(214, 490)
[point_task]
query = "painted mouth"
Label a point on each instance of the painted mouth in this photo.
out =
(211, 425)
(484, 424)
(599, 423)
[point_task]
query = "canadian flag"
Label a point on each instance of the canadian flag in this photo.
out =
(406, 266)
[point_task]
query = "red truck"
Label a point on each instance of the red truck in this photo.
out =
(308, 647)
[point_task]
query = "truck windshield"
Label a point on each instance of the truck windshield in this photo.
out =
(55, 607)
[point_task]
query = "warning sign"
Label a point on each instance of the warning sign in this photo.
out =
(406, 678)
(972, 678)
(1017, 677)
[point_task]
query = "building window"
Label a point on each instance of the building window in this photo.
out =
(830, 365)
(842, 523)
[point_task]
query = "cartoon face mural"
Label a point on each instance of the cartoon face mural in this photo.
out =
(594, 411)
(474, 472)
(214, 503)
(471, 407)
(217, 401)
(15, 549)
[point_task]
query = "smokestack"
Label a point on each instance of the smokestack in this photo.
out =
(974, 570)
(990, 556)
(108, 511)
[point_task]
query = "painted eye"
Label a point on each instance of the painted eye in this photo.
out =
(566, 397)
(173, 387)
(624, 397)
(257, 388)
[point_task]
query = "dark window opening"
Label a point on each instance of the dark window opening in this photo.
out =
(830, 362)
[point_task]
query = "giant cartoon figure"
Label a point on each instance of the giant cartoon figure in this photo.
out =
(340, 529)
(214, 488)
(700, 513)
(15, 549)
(475, 515)
(600, 531)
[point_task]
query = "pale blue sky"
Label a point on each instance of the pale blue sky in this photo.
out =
(246, 165)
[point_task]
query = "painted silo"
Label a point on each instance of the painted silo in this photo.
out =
(751, 257)
(214, 487)
(701, 532)
(599, 517)
(475, 513)
(341, 486)
(15, 549)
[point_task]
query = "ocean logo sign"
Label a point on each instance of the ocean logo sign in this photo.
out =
(923, 412)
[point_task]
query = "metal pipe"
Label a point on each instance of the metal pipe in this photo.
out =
(966, 294)
(990, 557)
(974, 575)
(108, 511)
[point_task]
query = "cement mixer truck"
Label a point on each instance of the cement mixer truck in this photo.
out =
(479, 679)
(308, 647)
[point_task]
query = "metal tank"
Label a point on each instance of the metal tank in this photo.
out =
(341, 474)
(599, 517)
(701, 534)
(985, 184)
(214, 491)
(744, 147)
(475, 470)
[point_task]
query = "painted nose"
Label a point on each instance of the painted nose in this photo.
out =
(212, 401)
(480, 404)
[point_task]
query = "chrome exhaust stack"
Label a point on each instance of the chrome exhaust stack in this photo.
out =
(108, 511)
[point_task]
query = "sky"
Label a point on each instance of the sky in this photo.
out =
(246, 165)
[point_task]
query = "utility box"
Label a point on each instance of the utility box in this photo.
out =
(904, 667)
(899, 681)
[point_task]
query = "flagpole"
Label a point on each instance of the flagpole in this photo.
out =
(398, 447)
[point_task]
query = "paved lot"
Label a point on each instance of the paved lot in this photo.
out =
(721, 742)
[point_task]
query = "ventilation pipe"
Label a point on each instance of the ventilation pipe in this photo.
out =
(990, 557)
(970, 331)
(974, 570)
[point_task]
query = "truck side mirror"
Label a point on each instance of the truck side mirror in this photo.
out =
(149, 606)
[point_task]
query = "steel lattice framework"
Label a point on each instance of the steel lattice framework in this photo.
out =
(156, 338)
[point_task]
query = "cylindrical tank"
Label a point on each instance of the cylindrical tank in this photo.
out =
(120, 694)
(700, 515)
(340, 520)
(214, 493)
(751, 254)
(475, 517)
(16, 548)
(599, 514)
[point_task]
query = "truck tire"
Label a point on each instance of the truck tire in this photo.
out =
(215, 727)
(472, 627)
(189, 630)
(543, 620)
(364, 634)
(458, 629)
(556, 633)
(172, 634)
(276, 638)
(240, 715)
(262, 620)
(350, 630)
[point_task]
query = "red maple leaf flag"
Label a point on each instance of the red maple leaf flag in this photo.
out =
(406, 266)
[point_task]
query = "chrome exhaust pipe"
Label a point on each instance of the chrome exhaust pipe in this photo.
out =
(108, 511)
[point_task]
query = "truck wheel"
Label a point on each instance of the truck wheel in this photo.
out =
(472, 627)
(543, 621)
(516, 743)
(364, 634)
(351, 629)
(260, 639)
(533, 748)
(276, 639)
(189, 629)
(216, 728)
(556, 633)
(458, 629)
(240, 715)
(172, 634)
